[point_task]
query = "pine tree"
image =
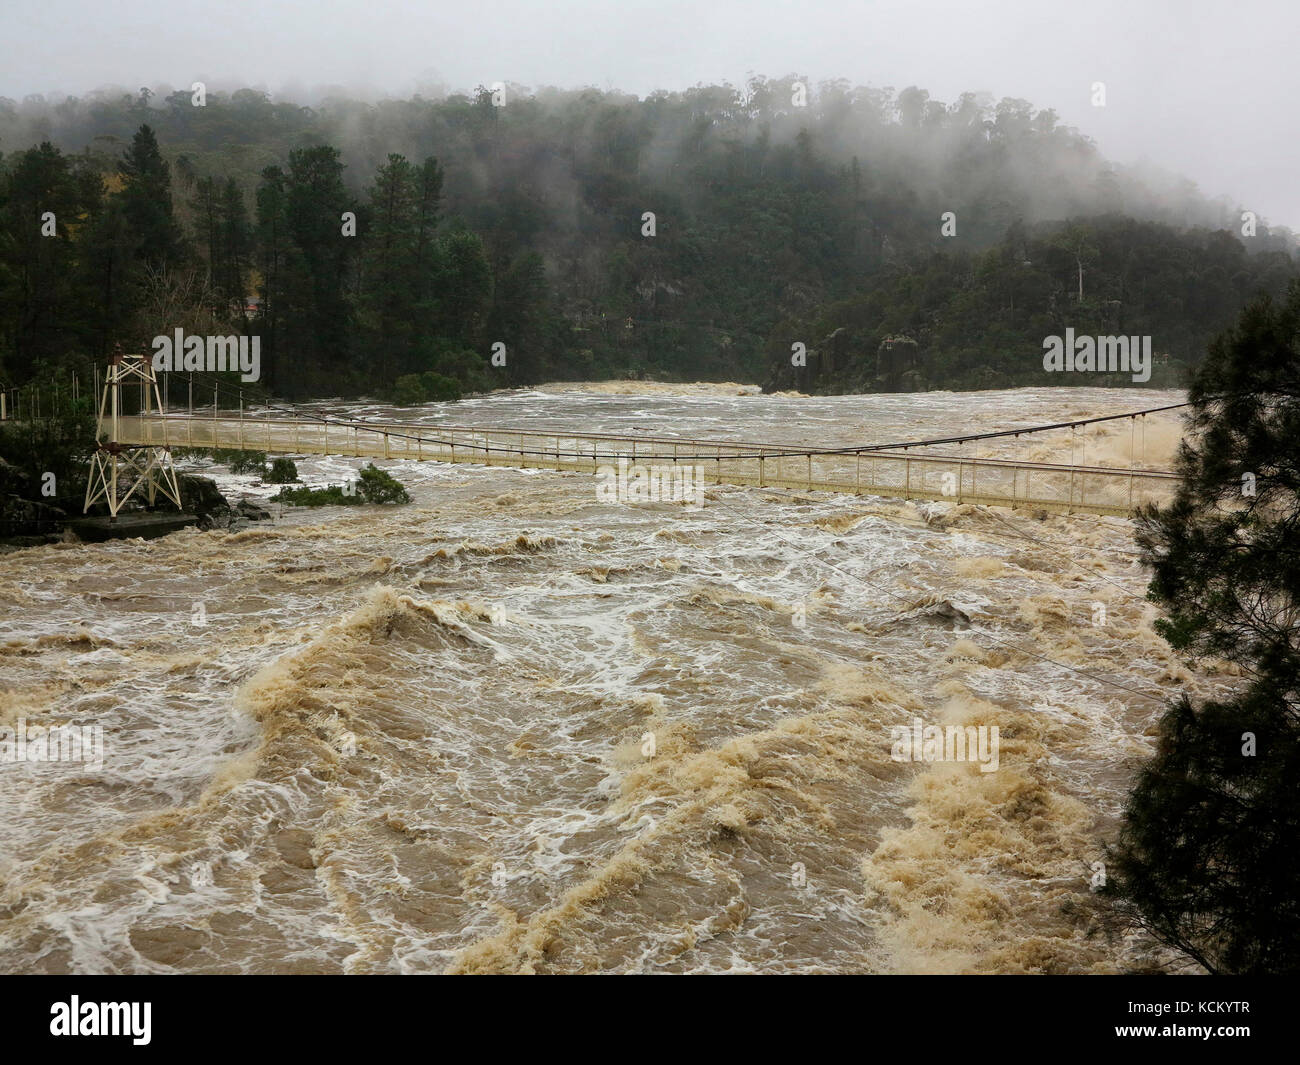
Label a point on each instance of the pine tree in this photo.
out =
(205, 208)
(273, 258)
(389, 290)
(236, 243)
(518, 318)
(428, 204)
(1207, 858)
(147, 202)
(315, 274)
(42, 310)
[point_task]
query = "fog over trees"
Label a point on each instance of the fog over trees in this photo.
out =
(909, 243)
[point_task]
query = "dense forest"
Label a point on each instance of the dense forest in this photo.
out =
(390, 247)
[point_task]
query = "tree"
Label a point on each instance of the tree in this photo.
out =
(771, 217)
(305, 260)
(428, 204)
(236, 243)
(43, 201)
(1206, 860)
(110, 277)
(1078, 243)
(272, 242)
(390, 284)
(315, 276)
(147, 201)
(518, 317)
(205, 208)
(464, 285)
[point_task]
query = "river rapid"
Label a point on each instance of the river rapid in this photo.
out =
(511, 727)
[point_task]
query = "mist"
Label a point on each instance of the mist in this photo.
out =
(1186, 87)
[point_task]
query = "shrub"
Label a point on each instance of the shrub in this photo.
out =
(376, 486)
(373, 486)
(428, 387)
(240, 461)
(317, 497)
(60, 446)
(283, 471)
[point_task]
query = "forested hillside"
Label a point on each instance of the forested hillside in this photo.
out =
(523, 219)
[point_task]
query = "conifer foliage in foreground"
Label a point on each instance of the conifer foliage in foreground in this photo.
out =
(1207, 858)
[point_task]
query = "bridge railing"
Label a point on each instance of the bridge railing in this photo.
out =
(907, 474)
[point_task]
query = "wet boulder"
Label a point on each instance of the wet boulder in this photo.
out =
(252, 511)
(201, 496)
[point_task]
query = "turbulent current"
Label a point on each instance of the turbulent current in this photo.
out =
(512, 728)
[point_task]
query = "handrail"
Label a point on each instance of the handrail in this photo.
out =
(403, 430)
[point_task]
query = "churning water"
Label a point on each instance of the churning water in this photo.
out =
(510, 727)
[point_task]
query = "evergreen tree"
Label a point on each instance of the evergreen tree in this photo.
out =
(43, 200)
(274, 260)
(390, 282)
(464, 288)
(519, 318)
(315, 329)
(773, 223)
(110, 277)
(204, 204)
(236, 244)
(428, 205)
(147, 202)
(1207, 860)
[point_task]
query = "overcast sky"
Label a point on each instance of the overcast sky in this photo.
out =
(1200, 87)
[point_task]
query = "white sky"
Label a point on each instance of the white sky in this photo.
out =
(1200, 87)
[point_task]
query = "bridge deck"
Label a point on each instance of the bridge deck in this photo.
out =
(907, 475)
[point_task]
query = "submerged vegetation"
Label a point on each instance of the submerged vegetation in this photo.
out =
(282, 471)
(372, 486)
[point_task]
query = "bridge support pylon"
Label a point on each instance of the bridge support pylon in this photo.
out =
(120, 471)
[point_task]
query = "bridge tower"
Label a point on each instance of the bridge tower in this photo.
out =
(120, 471)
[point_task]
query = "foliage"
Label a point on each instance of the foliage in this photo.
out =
(332, 495)
(373, 485)
(241, 461)
(59, 444)
(283, 471)
(1206, 859)
(978, 320)
(378, 486)
(428, 387)
(316, 497)
(775, 224)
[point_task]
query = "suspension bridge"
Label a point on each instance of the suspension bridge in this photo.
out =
(907, 469)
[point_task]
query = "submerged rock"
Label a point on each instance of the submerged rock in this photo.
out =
(937, 611)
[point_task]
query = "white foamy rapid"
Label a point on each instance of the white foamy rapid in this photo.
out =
(418, 739)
